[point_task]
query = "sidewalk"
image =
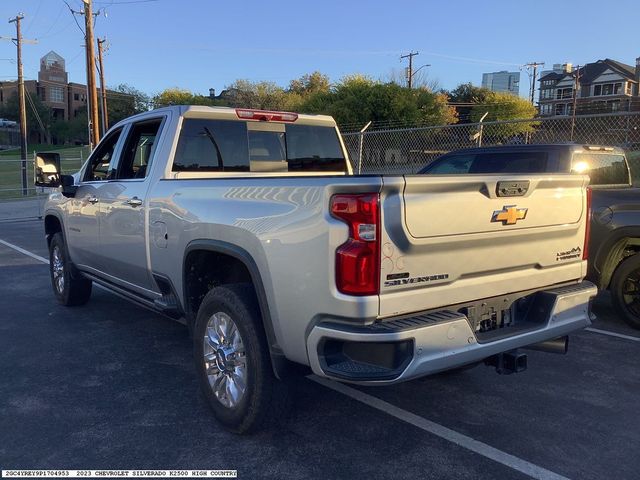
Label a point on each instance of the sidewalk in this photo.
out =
(21, 209)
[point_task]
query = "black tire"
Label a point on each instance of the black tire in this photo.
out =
(625, 290)
(69, 287)
(264, 399)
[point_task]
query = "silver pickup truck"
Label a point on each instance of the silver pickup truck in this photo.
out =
(250, 226)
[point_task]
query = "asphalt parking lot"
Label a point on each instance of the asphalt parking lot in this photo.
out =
(111, 386)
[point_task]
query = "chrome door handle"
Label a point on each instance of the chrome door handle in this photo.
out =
(134, 202)
(92, 199)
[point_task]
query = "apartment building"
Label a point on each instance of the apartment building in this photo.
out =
(604, 86)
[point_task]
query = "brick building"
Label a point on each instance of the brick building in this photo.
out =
(66, 99)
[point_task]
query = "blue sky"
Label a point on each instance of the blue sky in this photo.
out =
(198, 44)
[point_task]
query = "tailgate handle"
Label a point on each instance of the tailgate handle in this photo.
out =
(512, 188)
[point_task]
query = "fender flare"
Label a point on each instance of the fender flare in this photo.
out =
(608, 257)
(278, 360)
(58, 217)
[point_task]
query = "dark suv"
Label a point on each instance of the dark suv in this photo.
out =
(614, 246)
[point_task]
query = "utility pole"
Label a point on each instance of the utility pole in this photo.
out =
(94, 136)
(532, 90)
(103, 92)
(576, 86)
(22, 109)
(410, 56)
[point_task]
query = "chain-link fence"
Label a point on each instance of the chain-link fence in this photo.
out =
(19, 198)
(407, 150)
(401, 150)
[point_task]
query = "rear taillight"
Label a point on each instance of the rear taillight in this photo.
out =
(358, 259)
(587, 230)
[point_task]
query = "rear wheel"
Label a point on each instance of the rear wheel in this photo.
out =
(233, 362)
(625, 290)
(69, 287)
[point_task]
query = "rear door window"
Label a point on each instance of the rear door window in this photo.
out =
(212, 146)
(602, 168)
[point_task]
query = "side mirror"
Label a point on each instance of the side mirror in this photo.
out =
(69, 187)
(46, 170)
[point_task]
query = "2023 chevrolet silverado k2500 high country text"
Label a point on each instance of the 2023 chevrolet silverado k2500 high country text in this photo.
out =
(250, 225)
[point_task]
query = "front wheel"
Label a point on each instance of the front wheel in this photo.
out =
(625, 290)
(70, 288)
(233, 362)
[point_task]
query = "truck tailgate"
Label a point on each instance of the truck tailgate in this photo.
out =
(454, 239)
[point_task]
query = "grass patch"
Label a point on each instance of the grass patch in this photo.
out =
(71, 159)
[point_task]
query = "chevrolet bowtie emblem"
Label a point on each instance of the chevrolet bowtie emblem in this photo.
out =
(509, 215)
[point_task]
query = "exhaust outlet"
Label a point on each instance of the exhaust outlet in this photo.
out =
(558, 345)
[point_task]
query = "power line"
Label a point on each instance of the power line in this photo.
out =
(73, 14)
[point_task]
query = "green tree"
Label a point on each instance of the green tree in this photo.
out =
(124, 101)
(502, 107)
(357, 99)
(179, 96)
(261, 95)
(310, 83)
(468, 93)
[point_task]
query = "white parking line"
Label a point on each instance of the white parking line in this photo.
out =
(613, 334)
(459, 439)
(24, 252)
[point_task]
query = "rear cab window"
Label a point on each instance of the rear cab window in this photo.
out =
(208, 145)
(602, 168)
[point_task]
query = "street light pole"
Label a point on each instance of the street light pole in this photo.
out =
(410, 56)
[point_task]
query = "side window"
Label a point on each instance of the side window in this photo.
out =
(510, 162)
(452, 165)
(98, 168)
(212, 146)
(602, 168)
(137, 153)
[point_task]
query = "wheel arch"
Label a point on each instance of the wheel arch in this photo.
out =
(52, 225)
(620, 244)
(278, 360)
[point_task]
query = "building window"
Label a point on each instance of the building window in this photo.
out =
(545, 109)
(614, 105)
(628, 88)
(560, 109)
(607, 89)
(564, 93)
(76, 96)
(546, 93)
(56, 95)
